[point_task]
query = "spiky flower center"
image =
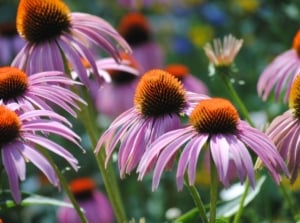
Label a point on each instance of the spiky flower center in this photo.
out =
(135, 29)
(159, 93)
(214, 116)
(296, 42)
(13, 83)
(82, 188)
(42, 20)
(178, 70)
(10, 125)
(294, 99)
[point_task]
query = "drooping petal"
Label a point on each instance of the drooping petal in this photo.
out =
(219, 148)
(12, 173)
(245, 159)
(156, 147)
(167, 153)
(132, 148)
(31, 115)
(19, 162)
(75, 60)
(194, 157)
(53, 147)
(21, 58)
(256, 140)
(189, 156)
(278, 75)
(40, 162)
(52, 127)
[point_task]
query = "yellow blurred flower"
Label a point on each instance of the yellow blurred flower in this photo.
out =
(200, 34)
(287, 183)
(203, 177)
(247, 5)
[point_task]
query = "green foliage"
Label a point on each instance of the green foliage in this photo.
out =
(30, 199)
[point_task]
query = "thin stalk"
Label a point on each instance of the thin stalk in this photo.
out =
(289, 200)
(213, 191)
(237, 99)
(65, 186)
(197, 200)
(88, 117)
(241, 207)
(245, 112)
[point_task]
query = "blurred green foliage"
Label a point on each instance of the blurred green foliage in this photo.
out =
(267, 28)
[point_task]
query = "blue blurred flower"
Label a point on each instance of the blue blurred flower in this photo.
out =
(182, 45)
(212, 13)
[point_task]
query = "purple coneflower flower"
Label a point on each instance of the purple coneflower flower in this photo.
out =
(213, 122)
(19, 136)
(190, 82)
(53, 34)
(94, 203)
(10, 42)
(116, 96)
(38, 89)
(284, 131)
(281, 73)
(223, 54)
(136, 30)
(158, 102)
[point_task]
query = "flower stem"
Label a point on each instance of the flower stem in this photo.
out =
(237, 99)
(197, 199)
(88, 117)
(241, 207)
(213, 191)
(65, 186)
(245, 112)
(288, 199)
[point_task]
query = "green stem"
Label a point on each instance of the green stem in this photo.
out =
(237, 99)
(241, 207)
(65, 186)
(245, 112)
(197, 199)
(288, 199)
(88, 117)
(213, 191)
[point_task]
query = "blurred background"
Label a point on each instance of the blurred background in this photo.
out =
(181, 28)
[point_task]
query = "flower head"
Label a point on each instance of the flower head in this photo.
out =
(40, 90)
(21, 132)
(223, 54)
(158, 102)
(213, 122)
(116, 95)
(94, 203)
(284, 131)
(136, 30)
(190, 82)
(280, 73)
(53, 34)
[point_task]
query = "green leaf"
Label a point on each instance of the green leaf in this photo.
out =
(222, 220)
(230, 208)
(297, 218)
(6, 200)
(188, 217)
